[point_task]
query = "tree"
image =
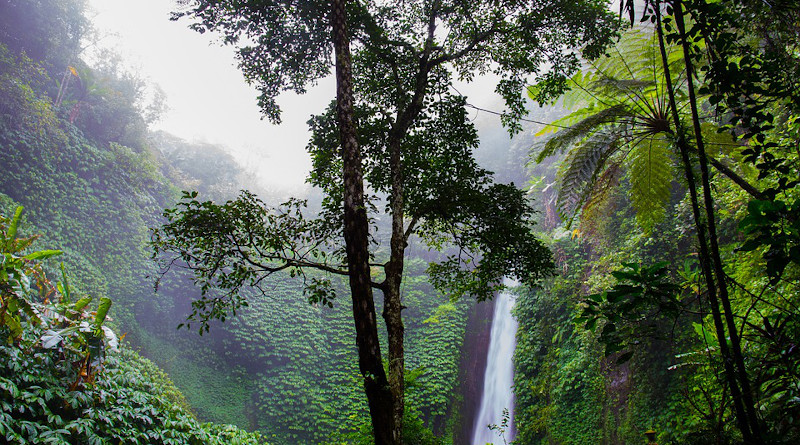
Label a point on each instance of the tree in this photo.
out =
(621, 123)
(634, 114)
(49, 31)
(417, 143)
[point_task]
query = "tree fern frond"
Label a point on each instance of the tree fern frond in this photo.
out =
(622, 104)
(577, 96)
(635, 93)
(567, 137)
(650, 173)
(616, 86)
(598, 205)
(579, 171)
(628, 60)
(566, 121)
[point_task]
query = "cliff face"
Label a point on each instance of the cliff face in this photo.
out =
(473, 367)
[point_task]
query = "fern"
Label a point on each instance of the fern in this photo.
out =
(599, 202)
(650, 173)
(621, 105)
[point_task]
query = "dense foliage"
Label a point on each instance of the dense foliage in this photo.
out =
(64, 378)
(397, 130)
(625, 339)
(681, 279)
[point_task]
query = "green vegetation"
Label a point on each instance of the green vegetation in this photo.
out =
(667, 191)
(681, 281)
(396, 130)
(281, 366)
(64, 378)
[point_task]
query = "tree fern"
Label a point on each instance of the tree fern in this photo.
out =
(578, 131)
(621, 109)
(599, 203)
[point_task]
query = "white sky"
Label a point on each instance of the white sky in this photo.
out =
(207, 96)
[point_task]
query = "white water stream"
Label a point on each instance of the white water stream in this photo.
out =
(497, 393)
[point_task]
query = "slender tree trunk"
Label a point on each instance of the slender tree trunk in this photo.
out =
(708, 200)
(356, 235)
(705, 261)
(393, 308)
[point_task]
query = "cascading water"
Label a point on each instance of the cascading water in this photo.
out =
(497, 393)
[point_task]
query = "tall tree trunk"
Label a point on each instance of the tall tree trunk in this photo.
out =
(705, 260)
(708, 201)
(356, 235)
(393, 308)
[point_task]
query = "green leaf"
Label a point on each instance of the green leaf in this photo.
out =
(650, 173)
(13, 325)
(579, 172)
(80, 304)
(42, 254)
(102, 311)
(66, 291)
(11, 235)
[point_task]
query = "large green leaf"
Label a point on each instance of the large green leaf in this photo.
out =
(650, 174)
(102, 311)
(11, 235)
(592, 120)
(580, 170)
(42, 254)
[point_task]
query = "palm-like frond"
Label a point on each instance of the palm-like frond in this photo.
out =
(580, 130)
(580, 170)
(650, 172)
(599, 201)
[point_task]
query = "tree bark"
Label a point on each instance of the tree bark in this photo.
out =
(393, 308)
(356, 234)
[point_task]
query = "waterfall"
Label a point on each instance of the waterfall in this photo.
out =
(497, 393)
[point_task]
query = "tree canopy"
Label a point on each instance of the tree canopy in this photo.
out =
(286, 46)
(406, 58)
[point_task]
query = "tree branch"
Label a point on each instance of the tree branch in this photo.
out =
(741, 182)
(410, 229)
(471, 46)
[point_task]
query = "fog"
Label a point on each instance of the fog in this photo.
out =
(208, 98)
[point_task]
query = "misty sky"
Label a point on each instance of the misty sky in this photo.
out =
(206, 93)
(207, 96)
